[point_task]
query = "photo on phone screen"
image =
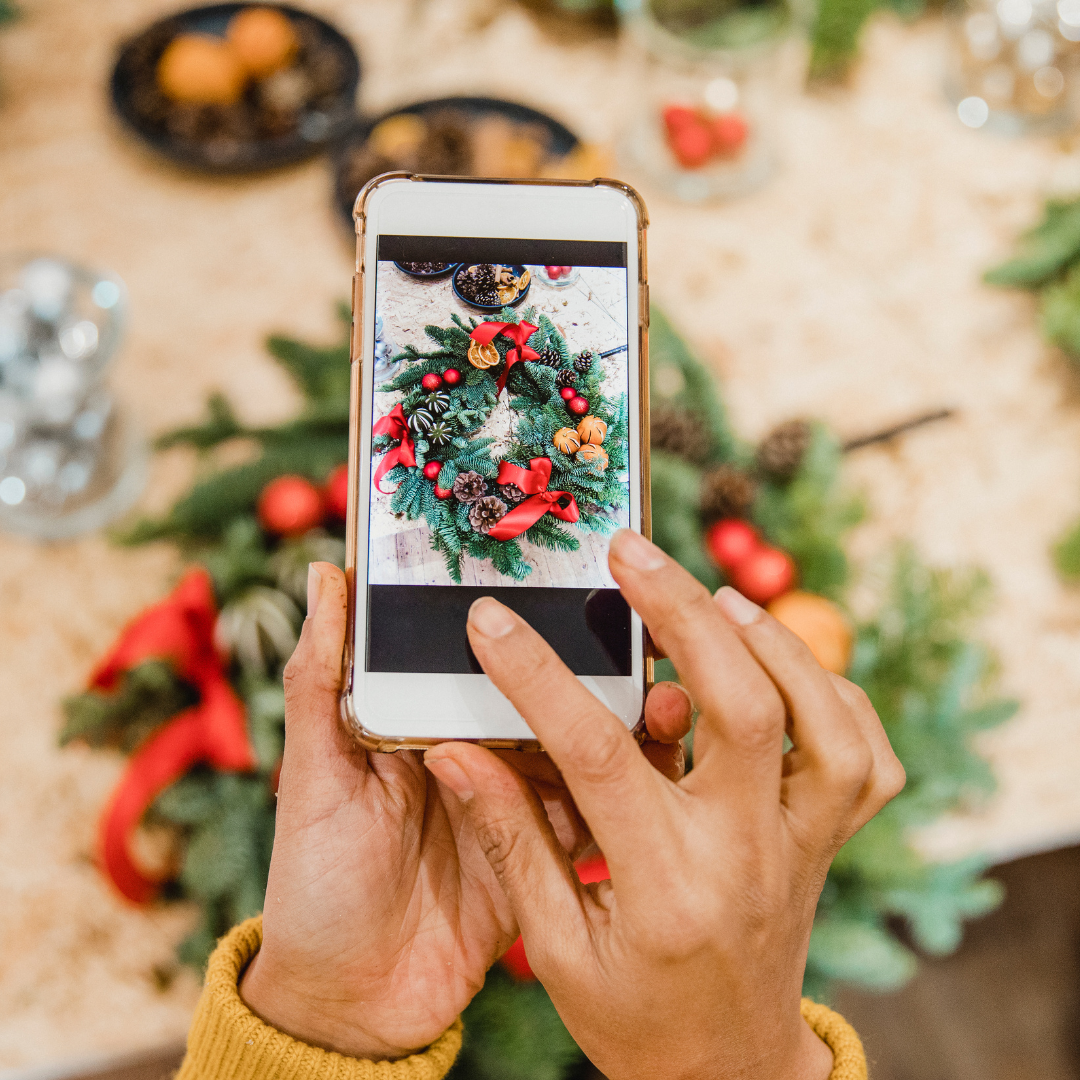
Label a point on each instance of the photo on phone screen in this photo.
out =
(500, 453)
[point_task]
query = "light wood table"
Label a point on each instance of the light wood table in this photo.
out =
(847, 289)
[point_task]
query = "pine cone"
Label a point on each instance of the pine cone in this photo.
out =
(565, 378)
(583, 361)
(512, 493)
(469, 486)
(782, 451)
(726, 492)
(485, 512)
(550, 356)
(679, 432)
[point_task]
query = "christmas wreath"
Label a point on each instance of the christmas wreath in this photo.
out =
(192, 689)
(566, 460)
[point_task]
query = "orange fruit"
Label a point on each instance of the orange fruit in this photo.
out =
(264, 39)
(198, 69)
(820, 623)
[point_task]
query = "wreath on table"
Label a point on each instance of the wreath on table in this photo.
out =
(567, 458)
(191, 691)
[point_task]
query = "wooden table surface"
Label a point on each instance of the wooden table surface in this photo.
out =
(847, 289)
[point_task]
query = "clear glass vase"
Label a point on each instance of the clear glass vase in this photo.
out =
(712, 87)
(1013, 65)
(70, 460)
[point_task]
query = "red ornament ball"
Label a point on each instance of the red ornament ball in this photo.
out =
(451, 376)
(731, 541)
(336, 492)
(431, 381)
(432, 469)
(567, 392)
(579, 406)
(765, 575)
(443, 493)
(290, 505)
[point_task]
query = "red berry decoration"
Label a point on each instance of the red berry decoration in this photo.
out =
(451, 376)
(431, 381)
(553, 272)
(290, 505)
(679, 117)
(731, 541)
(765, 575)
(336, 492)
(431, 469)
(579, 406)
(443, 493)
(729, 133)
(567, 392)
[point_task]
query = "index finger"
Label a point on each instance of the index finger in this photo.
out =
(615, 788)
(740, 728)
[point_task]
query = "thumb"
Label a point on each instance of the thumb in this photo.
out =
(317, 749)
(514, 834)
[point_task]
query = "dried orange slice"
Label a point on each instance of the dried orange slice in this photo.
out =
(483, 356)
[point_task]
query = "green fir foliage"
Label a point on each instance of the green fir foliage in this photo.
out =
(1047, 262)
(927, 680)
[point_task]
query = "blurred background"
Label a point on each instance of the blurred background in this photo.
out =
(861, 255)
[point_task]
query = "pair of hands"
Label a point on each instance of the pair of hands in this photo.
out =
(397, 880)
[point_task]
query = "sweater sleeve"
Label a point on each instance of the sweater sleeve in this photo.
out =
(227, 1041)
(849, 1060)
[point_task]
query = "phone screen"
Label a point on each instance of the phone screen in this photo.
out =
(500, 447)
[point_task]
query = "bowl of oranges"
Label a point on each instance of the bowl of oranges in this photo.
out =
(237, 87)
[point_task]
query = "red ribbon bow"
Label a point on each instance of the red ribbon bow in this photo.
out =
(533, 481)
(396, 426)
(518, 333)
(180, 629)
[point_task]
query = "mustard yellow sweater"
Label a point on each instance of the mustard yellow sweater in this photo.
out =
(227, 1041)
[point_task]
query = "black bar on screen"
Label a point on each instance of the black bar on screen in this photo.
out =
(480, 249)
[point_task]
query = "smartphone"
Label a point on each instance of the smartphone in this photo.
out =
(498, 436)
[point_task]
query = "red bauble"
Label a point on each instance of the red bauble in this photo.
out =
(579, 406)
(290, 505)
(443, 493)
(336, 492)
(554, 272)
(731, 541)
(431, 381)
(514, 959)
(679, 117)
(729, 133)
(765, 575)
(567, 392)
(432, 469)
(451, 376)
(692, 146)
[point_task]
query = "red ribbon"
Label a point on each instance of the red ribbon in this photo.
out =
(533, 481)
(179, 629)
(396, 426)
(518, 333)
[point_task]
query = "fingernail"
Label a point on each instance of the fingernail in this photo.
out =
(736, 607)
(314, 584)
(633, 549)
(490, 617)
(451, 774)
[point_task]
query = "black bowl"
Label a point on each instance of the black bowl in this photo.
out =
(518, 269)
(562, 139)
(428, 275)
(317, 127)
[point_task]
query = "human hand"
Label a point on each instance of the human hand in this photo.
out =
(689, 962)
(382, 913)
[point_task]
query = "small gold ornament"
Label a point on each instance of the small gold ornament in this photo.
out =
(591, 454)
(566, 439)
(483, 356)
(592, 429)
